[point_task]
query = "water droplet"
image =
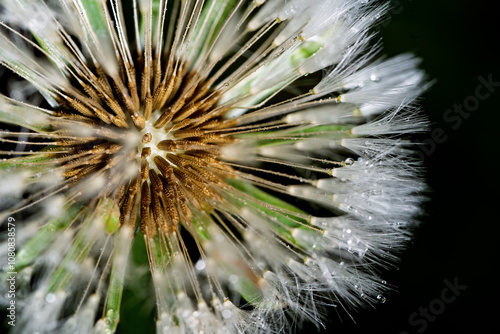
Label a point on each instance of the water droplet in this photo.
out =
(226, 314)
(200, 265)
(381, 299)
(349, 161)
(50, 298)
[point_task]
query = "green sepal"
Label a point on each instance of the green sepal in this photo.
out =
(249, 291)
(63, 274)
(24, 162)
(306, 50)
(97, 19)
(211, 21)
(36, 245)
(29, 118)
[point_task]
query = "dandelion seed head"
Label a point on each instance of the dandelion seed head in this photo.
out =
(249, 157)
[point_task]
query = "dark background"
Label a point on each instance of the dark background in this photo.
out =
(458, 238)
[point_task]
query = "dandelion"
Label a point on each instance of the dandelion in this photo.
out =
(253, 153)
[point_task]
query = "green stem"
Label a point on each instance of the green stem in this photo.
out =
(117, 278)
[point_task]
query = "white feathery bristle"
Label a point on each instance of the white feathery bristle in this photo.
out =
(16, 55)
(83, 321)
(276, 71)
(293, 27)
(41, 313)
(291, 8)
(54, 205)
(145, 6)
(285, 153)
(242, 152)
(316, 144)
(386, 83)
(345, 32)
(230, 316)
(310, 239)
(225, 41)
(334, 185)
(309, 192)
(354, 58)
(267, 13)
(399, 121)
(12, 184)
(330, 113)
(280, 289)
(373, 147)
(259, 224)
(260, 239)
(327, 14)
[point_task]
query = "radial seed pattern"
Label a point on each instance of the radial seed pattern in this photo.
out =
(208, 135)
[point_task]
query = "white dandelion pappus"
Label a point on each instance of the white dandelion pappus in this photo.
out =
(253, 152)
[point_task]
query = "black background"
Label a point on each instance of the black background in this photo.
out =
(458, 237)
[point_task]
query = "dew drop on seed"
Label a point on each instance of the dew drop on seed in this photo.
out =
(381, 299)
(200, 265)
(50, 298)
(226, 314)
